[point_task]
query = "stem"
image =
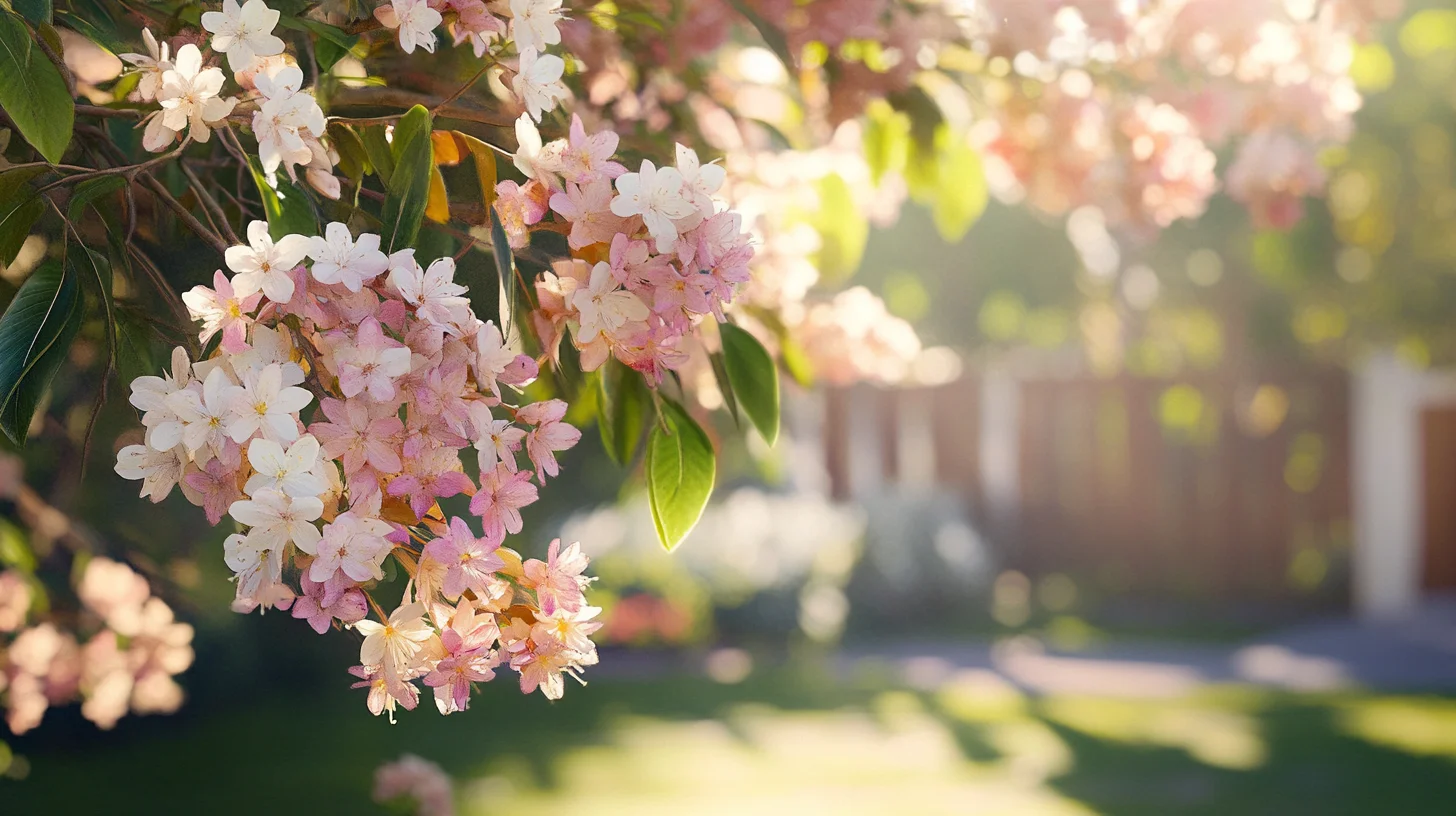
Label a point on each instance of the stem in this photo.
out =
(103, 112)
(184, 215)
(130, 170)
(210, 203)
(462, 89)
(160, 281)
(399, 98)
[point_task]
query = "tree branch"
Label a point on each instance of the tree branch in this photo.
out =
(184, 214)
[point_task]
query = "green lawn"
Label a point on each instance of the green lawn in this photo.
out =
(787, 740)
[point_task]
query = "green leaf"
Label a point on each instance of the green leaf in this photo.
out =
(287, 208)
(32, 91)
(886, 139)
(134, 355)
(376, 146)
(681, 467)
(505, 270)
(35, 333)
(85, 263)
(334, 35)
(330, 45)
(409, 182)
(87, 193)
(103, 34)
(36, 11)
(960, 191)
(842, 228)
(772, 37)
(725, 385)
(88, 264)
(20, 207)
(353, 158)
(755, 379)
(623, 407)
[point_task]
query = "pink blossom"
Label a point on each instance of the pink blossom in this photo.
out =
(429, 476)
(386, 689)
(468, 659)
(320, 609)
(497, 440)
(353, 545)
(220, 310)
(549, 436)
(358, 433)
(558, 581)
(470, 562)
(216, 485)
(499, 501)
(587, 159)
(588, 206)
(371, 363)
(519, 207)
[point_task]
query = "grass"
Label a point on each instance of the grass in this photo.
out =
(787, 740)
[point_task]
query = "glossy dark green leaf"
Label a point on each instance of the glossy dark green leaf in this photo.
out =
(681, 468)
(20, 207)
(409, 182)
(505, 270)
(89, 193)
(725, 385)
(353, 158)
(97, 30)
(334, 35)
(286, 207)
(623, 405)
(86, 264)
(754, 377)
(376, 146)
(32, 92)
(35, 334)
(36, 11)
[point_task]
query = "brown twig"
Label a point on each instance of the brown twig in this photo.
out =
(130, 170)
(168, 294)
(210, 204)
(103, 112)
(184, 214)
(443, 108)
(460, 91)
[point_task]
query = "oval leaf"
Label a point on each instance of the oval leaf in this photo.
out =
(35, 333)
(286, 207)
(32, 91)
(681, 467)
(754, 378)
(409, 181)
(19, 209)
(623, 407)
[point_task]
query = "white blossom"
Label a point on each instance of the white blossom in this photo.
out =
(264, 265)
(243, 32)
(338, 258)
(538, 82)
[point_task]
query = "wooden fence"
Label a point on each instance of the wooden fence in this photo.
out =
(1217, 485)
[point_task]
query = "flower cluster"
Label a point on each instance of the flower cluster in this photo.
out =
(666, 255)
(418, 781)
(1272, 72)
(531, 25)
(126, 665)
(344, 389)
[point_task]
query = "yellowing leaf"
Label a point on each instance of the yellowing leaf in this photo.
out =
(484, 166)
(437, 208)
(447, 149)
